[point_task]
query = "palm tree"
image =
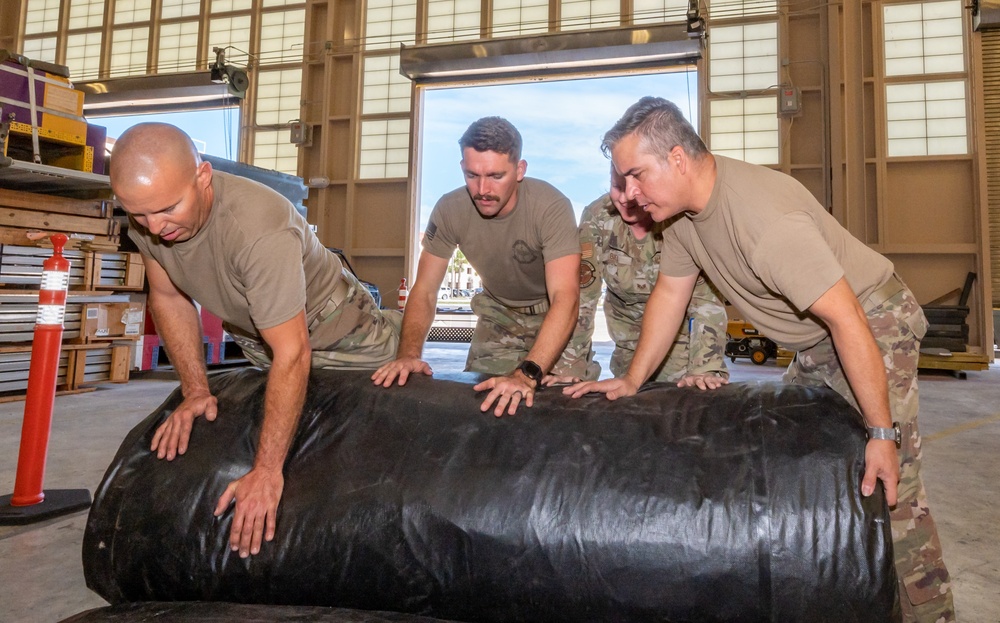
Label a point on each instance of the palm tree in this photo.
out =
(457, 267)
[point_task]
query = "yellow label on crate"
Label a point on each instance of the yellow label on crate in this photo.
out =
(63, 99)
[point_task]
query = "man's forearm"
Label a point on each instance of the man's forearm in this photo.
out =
(179, 326)
(417, 321)
(865, 371)
(555, 332)
(660, 324)
(283, 400)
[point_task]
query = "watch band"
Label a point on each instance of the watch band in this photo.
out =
(891, 434)
(533, 371)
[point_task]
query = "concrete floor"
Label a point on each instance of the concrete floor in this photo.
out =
(41, 574)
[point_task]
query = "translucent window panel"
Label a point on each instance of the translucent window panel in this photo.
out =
(129, 48)
(718, 9)
(452, 20)
(923, 38)
(178, 46)
(275, 3)
(43, 49)
(274, 150)
(225, 6)
(385, 90)
(743, 58)
(130, 11)
(279, 96)
(41, 16)
(520, 17)
(180, 8)
(281, 36)
(389, 23)
(577, 14)
(926, 119)
(746, 129)
(234, 31)
(83, 55)
(86, 14)
(658, 11)
(385, 149)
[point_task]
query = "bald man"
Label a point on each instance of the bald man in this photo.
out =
(242, 251)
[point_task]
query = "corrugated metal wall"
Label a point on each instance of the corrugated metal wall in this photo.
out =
(991, 101)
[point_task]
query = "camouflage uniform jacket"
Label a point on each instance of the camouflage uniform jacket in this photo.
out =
(629, 267)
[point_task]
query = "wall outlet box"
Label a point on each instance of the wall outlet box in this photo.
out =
(789, 101)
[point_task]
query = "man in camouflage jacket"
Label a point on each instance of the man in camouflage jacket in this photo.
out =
(621, 248)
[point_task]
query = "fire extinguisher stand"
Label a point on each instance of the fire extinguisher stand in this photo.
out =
(29, 503)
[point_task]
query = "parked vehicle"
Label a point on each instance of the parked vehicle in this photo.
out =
(744, 340)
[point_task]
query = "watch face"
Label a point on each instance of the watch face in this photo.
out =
(531, 369)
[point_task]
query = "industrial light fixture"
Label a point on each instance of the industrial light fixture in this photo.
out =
(634, 47)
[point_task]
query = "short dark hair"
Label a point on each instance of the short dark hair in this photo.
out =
(660, 125)
(493, 134)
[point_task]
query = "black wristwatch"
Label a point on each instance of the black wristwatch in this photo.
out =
(891, 434)
(533, 371)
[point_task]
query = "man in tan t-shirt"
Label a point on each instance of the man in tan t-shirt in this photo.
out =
(240, 250)
(520, 235)
(792, 270)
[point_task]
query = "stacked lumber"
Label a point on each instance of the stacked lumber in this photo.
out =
(102, 323)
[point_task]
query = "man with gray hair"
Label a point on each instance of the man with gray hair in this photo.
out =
(793, 271)
(519, 233)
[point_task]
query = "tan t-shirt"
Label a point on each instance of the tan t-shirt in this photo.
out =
(509, 252)
(772, 250)
(255, 263)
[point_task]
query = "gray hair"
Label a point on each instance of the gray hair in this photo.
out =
(660, 126)
(493, 134)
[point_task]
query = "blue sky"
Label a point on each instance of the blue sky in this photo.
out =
(214, 131)
(561, 122)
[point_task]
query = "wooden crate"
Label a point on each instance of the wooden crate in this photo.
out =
(92, 364)
(17, 322)
(87, 220)
(14, 366)
(21, 267)
(954, 362)
(80, 366)
(115, 271)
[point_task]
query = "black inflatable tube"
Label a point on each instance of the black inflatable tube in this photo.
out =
(217, 612)
(740, 504)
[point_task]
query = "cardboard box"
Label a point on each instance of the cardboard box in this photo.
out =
(113, 320)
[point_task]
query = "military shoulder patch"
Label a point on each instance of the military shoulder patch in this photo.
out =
(588, 274)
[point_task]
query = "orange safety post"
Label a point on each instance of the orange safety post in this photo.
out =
(29, 502)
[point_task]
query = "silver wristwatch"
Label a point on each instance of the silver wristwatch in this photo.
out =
(892, 434)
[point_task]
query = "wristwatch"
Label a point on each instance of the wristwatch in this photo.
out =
(533, 371)
(893, 434)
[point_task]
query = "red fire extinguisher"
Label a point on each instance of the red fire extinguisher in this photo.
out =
(403, 293)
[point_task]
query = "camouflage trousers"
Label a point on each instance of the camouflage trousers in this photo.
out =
(898, 324)
(697, 348)
(350, 333)
(502, 338)
(671, 369)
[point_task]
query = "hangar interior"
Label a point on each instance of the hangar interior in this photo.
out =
(886, 110)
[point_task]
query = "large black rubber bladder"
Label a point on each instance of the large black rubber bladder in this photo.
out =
(740, 504)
